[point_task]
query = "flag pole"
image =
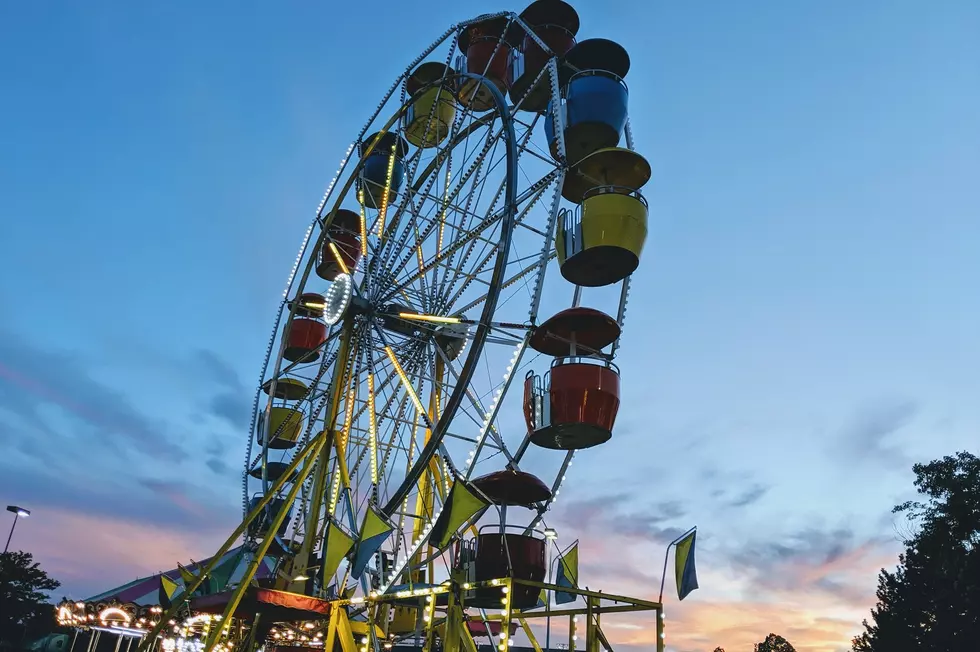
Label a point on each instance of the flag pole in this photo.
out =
(663, 577)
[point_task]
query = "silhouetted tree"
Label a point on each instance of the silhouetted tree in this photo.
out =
(24, 609)
(719, 649)
(931, 602)
(774, 643)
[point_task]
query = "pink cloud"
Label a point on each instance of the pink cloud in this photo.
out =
(815, 594)
(89, 554)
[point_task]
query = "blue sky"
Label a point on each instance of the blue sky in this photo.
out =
(801, 330)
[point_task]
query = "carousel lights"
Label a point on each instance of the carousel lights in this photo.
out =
(115, 613)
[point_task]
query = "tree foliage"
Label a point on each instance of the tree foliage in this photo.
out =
(774, 643)
(719, 649)
(24, 608)
(931, 602)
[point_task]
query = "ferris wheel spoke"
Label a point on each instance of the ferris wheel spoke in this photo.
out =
(497, 195)
(489, 222)
(417, 189)
(482, 266)
(467, 173)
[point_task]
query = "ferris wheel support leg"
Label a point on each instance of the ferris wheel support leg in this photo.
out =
(246, 579)
(313, 444)
(323, 466)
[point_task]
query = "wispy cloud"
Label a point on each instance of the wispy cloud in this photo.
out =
(870, 432)
(231, 401)
(38, 386)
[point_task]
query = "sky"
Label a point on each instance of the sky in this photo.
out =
(802, 328)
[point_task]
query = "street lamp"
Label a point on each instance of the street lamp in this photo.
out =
(18, 512)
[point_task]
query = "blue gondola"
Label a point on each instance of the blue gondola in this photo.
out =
(389, 152)
(595, 98)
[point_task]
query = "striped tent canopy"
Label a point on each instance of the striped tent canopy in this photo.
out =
(146, 591)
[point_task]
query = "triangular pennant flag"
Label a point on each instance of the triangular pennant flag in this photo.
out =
(685, 573)
(167, 590)
(188, 576)
(338, 544)
(374, 532)
(567, 574)
(461, 505)
(542, 599)
(219, 577)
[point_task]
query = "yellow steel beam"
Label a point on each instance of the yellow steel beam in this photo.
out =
(579, 611)
(529, 633)
(314, 444)
(585, 592)
(312, 532)
(246, 579)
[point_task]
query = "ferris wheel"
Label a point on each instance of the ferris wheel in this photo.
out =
(452, 317)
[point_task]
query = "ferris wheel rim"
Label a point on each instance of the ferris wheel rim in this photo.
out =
(483, 327)
(475, 343)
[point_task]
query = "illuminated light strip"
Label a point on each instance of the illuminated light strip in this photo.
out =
(382, 214)
(299, 258)
(445, 469)
(336, 256)
(419, 256)
(505, 612)
(323, 202)
(342, 450)
(348, 418)
(373, 431)
(411, 453)
(360, 201)
(445, 209)
(404, 378)
(489, 415)
(334, 493)
(433, 318)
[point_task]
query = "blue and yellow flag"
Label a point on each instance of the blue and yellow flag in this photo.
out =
(338, 544)
(567, 574)
(685, 572)
(461, 505)
(374, 532)
(167, 590)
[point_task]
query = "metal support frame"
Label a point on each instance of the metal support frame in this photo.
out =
(446, 623)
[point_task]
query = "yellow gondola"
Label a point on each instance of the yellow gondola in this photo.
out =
(600, 243)
(430, 117)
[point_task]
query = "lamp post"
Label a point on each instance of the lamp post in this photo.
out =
(550, 536)
(17, 512)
